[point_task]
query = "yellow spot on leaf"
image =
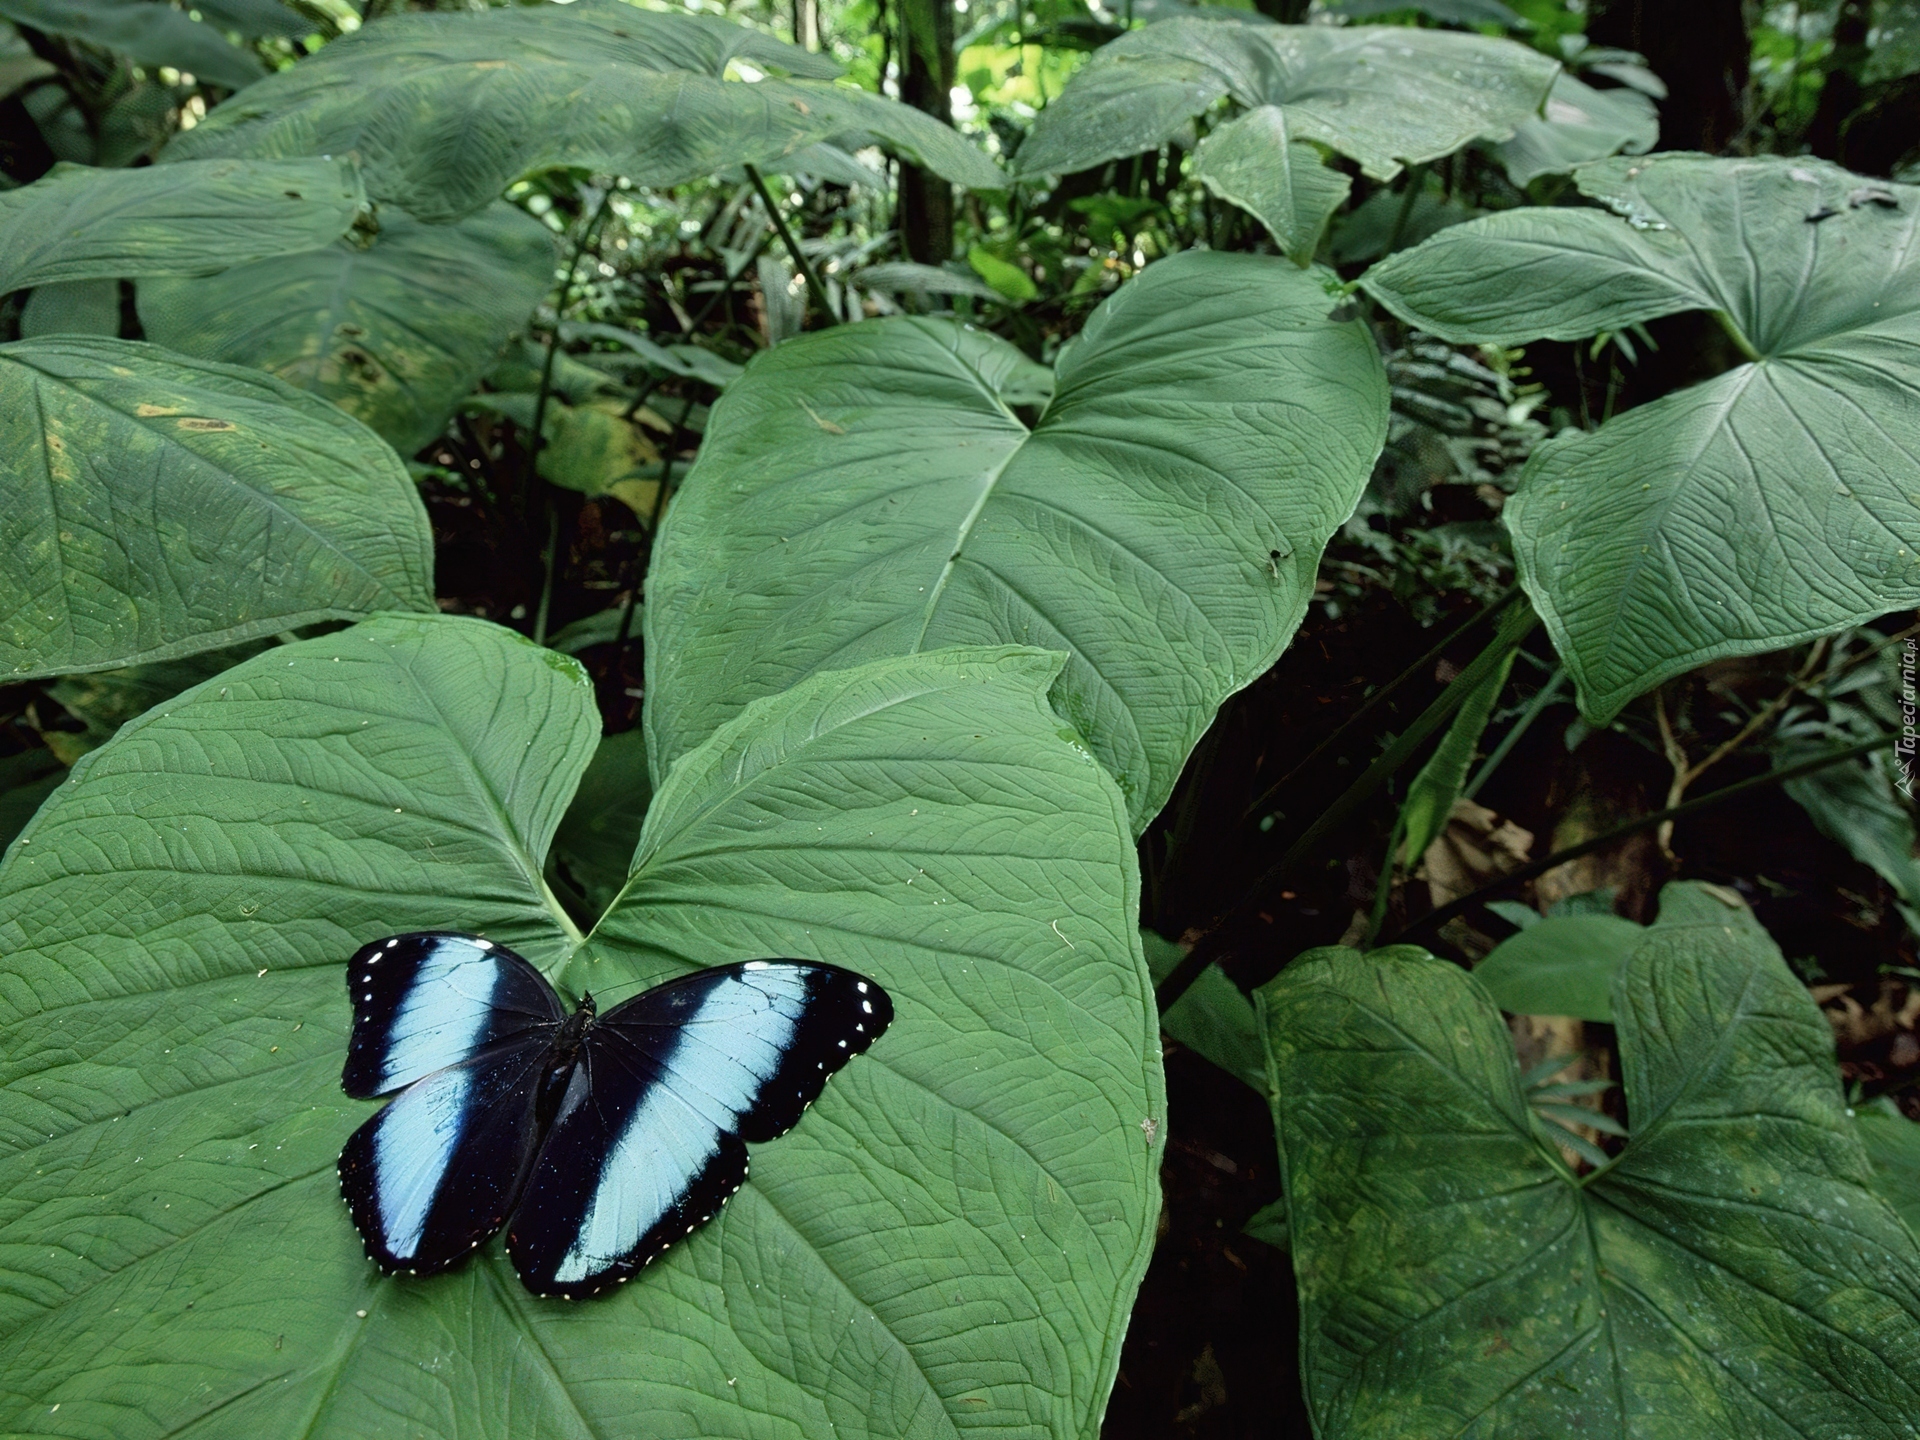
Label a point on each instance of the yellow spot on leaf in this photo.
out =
(200, 423)
(146, 412)
(826, 425)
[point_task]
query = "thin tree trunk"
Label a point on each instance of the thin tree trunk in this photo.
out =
(925, 215)
(806, 24)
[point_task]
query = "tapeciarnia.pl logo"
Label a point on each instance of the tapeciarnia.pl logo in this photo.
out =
(1903, 748)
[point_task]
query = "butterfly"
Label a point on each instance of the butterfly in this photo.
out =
(595, 1140)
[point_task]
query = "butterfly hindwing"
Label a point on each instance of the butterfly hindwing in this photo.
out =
(438, 1171)
(428, 1000)
(647, 1142)
(625, 1172)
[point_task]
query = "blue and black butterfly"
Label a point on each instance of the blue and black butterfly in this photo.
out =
(603, 1138)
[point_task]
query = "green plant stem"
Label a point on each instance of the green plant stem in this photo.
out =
(587, 236)
(538, 439)
(1389, 864)
(814, 287)
(1158, 875)
(1515, 626)
(1416, 182)
(1440, 915)
(699, 317)
(1546, 695)
(659, 513)
(1734, 334)
(1385, 692)
(552, 568)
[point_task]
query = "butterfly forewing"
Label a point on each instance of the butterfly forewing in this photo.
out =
(647, 1143)
(438, 1171)
(425, 1001)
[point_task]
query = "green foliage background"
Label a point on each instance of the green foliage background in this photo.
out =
(983, 400)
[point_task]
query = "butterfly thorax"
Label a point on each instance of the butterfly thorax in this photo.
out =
(563, 1060)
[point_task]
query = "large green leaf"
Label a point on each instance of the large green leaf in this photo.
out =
(1381, 94)
(1566, 963)
(1561, 965)
(445, 111)
(1730, 1275)
(394, 332)
(870, 491)
(1892, 1142)
(150, 32)
(1580, 124)
(1774, 503)
(153, 506)
(1252, 162)
(80, 224)
(950, 1239)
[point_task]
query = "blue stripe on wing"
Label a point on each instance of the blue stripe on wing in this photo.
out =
(428, 1000)
(438, 1171)
(678, 1077)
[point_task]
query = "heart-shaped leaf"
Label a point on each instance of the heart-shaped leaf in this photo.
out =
(145, 31)
(1772, 504)
(446, 110)
(395, 332)
(154, 506)
(1731, 1274)
(870, 491)
(188, 219)
(950, 1239)
(1380, 94)
(1251, 162)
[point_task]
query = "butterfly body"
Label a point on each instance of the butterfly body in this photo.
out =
(595, 1140)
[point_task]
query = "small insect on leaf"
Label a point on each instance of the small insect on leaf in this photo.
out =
(826, 425)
